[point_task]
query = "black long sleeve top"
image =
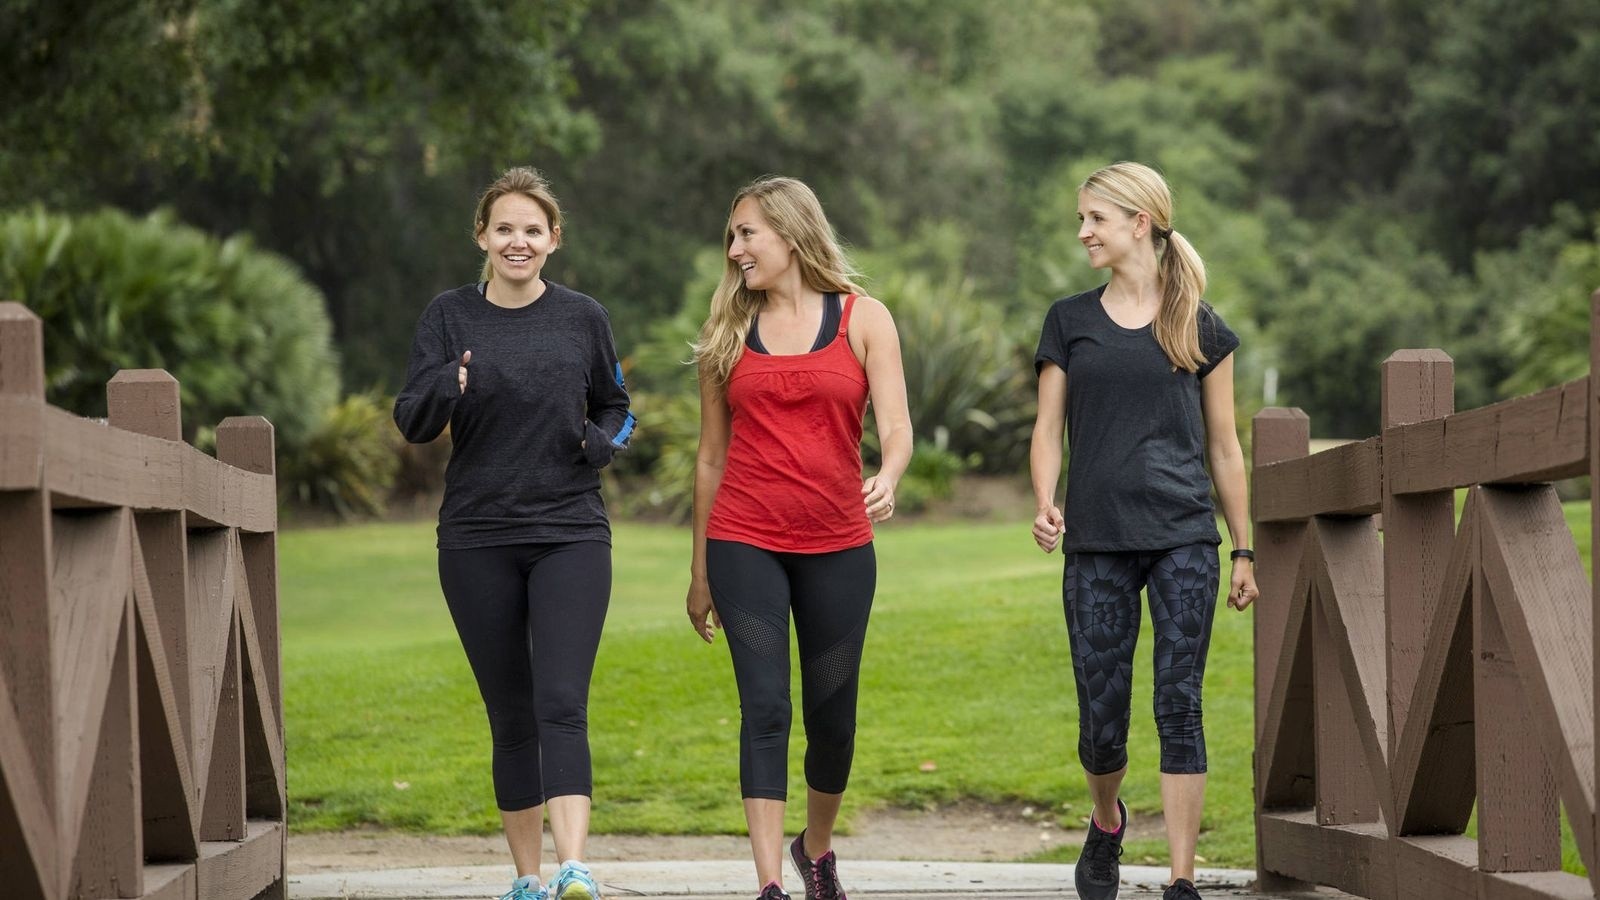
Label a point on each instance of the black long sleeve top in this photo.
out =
(543, 411)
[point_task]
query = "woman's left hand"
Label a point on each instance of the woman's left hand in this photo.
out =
(1243, 592)
(878, 494)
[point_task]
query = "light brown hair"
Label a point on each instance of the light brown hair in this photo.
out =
(794, 212)
(524, 180)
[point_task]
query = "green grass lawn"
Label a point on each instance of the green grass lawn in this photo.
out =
(966, 668)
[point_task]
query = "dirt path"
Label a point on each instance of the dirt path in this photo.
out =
(964, 832)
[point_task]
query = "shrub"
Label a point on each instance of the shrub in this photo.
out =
(347, 463)
(239, 328)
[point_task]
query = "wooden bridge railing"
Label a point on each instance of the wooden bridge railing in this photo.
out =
(141, 735)
(1408, 678)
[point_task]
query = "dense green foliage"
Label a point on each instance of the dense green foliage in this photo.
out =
(238, 327)
(1360, 176)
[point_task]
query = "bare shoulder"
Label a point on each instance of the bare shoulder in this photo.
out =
(872, 314)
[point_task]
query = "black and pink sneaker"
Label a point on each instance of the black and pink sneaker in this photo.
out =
(772, 892)
(1098, 873)
(821, 875)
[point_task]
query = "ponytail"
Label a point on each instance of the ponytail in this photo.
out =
(1182, 277)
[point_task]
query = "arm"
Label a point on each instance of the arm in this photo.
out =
(1226, 461)
(1044, 455)
(715, 427)
(433, 384)
(886, 382)
(610, 424)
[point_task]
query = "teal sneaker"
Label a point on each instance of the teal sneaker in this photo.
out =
(573, 882)
(526, 887)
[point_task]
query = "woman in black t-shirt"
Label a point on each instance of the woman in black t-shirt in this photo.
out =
(525, 374)
(1139, 372)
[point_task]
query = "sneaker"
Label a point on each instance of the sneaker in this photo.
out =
(1181, 889)
(1099, 870)
(526, 887)
(773, 892)
(821, 875)
(573, 882)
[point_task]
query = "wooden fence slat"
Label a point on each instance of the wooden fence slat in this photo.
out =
(1285, 758)
(1518, 825)
(89, 590)
(210, 621)
(265, 767)
(1434, 773)
(1350, 664)
(170, 799)
(27, 830)
(242, 870)
(222, 819)
(1532, 571)
(1593, 409)
(1342, 481)
(1536, 438)
(1354, 858)
(110, 850)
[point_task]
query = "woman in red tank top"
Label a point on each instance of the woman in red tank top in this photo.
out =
(783, 518)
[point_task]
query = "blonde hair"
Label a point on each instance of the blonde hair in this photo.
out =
(1180, 274)
(794, 212)
(524, 180)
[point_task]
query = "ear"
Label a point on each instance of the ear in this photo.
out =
(555, 237)
(483, 240)
(1141, 223)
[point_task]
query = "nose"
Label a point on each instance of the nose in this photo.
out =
(734, 250)
(1084, 231)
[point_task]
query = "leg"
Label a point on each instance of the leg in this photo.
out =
(1183, 598)
(569, 589)
(1100, 593)
(832, 600)
(486, 591)
(751, 593)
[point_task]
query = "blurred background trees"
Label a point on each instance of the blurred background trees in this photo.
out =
(1361, 176)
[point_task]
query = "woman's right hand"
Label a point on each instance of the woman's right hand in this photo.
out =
(1047, 528)
(702, 614)
(461, 371)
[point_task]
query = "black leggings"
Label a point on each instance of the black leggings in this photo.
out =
(831, 596)
(1101, 596)
(529, 616)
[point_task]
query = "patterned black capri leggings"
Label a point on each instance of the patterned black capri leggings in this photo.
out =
(1101, 596)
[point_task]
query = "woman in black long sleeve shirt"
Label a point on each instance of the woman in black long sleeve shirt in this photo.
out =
(525, 373)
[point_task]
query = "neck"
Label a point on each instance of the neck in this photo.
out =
(511, 296)
(1137, 281)
(791, 295)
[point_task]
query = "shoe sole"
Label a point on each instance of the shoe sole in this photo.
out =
(576, 892)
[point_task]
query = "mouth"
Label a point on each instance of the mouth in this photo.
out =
(746, 267)
(517, 258)
(1094, 248)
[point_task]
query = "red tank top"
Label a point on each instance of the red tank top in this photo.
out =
(792, 481)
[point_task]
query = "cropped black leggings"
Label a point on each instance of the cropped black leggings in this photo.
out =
(529, 616)
(831, 596)
(1101, 596)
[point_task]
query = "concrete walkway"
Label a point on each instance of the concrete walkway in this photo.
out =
(732, 880)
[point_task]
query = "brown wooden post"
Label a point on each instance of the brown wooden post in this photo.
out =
(249, 443)
(1277, 434)
(1594, 536)
(147, 401)
(28, 863)
(1418, 531)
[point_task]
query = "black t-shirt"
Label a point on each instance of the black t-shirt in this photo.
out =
(1136, 477)
(519, 470)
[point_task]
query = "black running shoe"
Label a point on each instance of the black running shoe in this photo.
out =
(1181, 889)
(821, 875)
(1098, 873)
(772, 892)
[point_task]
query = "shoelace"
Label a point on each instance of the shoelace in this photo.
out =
(1100, 856)
(825, 878)
(521, 893)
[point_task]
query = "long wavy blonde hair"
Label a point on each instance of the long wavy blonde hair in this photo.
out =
(794, 212)
(1180, 273)
(524, 180)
